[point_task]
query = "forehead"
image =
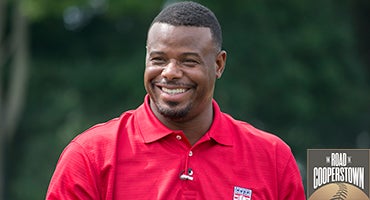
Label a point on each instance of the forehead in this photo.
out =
(162, 34)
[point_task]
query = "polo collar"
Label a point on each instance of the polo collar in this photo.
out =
(151, 129)
(221, 129)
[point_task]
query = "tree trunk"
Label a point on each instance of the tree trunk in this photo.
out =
(11, 103)
(19, 73)
(2, 138)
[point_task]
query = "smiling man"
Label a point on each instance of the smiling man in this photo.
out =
(178, 144)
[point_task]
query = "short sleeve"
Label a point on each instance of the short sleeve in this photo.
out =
(290, 181)
(75, 176)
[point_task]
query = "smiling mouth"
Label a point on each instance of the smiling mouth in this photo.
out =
(173, 91)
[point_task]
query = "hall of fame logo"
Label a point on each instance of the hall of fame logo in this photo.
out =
(338, 174)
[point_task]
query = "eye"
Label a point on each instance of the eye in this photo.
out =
(190, 62)
(158, 60)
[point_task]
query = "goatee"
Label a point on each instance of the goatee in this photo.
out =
(172, 112)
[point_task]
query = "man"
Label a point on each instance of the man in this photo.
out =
(178, 144)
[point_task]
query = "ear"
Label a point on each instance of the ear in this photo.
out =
(220, 63)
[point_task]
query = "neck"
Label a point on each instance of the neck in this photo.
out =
(195, 128)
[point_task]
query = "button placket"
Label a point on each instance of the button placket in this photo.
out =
(189, 170)
(178, 137)
(188, 173)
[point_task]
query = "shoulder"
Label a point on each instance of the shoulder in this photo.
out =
(248, 134)
(266, 149)
(104, 133)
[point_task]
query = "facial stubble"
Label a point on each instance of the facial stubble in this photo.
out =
(173, 113)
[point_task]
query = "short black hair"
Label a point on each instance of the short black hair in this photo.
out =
(188, 13)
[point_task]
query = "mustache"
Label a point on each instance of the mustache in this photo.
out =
(174, 83)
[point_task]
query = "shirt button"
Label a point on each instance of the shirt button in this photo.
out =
(190, 172)
(190, 153)
(178, 137)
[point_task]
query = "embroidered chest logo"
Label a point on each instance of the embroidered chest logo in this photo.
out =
(242, 193)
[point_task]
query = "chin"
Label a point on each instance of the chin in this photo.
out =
(173, 110)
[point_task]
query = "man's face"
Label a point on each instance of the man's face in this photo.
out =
(182, 65)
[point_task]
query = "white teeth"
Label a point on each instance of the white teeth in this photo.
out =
(173, 91)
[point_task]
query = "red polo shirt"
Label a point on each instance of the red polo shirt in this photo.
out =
(137, 157)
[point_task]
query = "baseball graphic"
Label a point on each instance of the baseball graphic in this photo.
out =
(338, 191)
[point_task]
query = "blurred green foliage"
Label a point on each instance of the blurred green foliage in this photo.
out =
(294, 68)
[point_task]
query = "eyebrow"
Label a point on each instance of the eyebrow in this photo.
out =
(156, 52)
(190, 54)
(182, 54)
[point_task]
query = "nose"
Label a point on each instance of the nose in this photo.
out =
(172, 71)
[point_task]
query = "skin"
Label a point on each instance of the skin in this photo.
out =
(182, 65)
